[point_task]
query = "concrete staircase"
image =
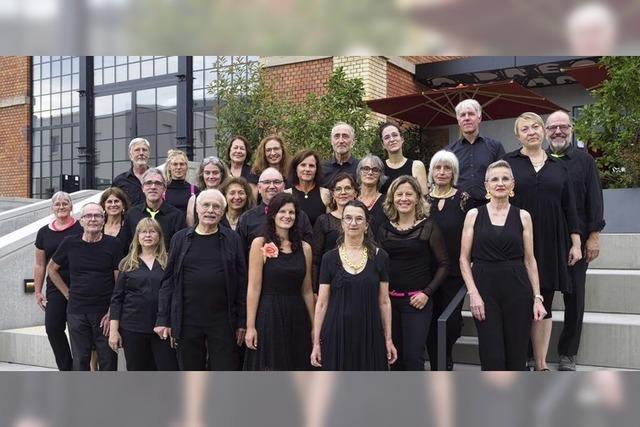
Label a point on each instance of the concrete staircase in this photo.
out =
(611, 330)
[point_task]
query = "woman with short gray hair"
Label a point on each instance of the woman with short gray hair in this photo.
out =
(53, 303)
(212, 173)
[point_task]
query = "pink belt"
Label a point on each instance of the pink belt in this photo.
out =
(399, 294)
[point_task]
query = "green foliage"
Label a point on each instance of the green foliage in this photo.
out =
(611, 125)
(249, 106)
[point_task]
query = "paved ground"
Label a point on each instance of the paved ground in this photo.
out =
(16, 367)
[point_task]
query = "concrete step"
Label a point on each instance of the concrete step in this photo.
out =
(30, 346)
(609, 340)
(618, 251)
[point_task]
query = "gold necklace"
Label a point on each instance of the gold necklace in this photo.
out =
(344, 256)
(446, 195)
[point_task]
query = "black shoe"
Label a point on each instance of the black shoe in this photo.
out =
(531, 364)
(567, 363)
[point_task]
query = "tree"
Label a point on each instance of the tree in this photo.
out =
(611, 125)
(249, 105)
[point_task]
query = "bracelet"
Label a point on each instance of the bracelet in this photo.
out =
(540, 297)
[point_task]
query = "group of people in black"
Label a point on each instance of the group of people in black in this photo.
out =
(294, 263)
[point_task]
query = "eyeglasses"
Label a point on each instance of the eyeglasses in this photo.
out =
(354, 219)
(156, 183)
(368, 169)
(92, 216)
(271, 182)
(563, 128)
(347, 189)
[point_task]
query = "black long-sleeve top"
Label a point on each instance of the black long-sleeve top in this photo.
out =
(411, 253)
(325, 235)
(171, 296)
(170, 218)
(587, 189)
(131, 185)
(178, 194)
(135, 298)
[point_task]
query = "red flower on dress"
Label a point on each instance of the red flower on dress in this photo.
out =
(270, 250)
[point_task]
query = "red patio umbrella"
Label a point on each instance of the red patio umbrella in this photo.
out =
(499, 100)
(590, 76)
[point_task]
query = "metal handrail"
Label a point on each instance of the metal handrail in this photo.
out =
(442, 327)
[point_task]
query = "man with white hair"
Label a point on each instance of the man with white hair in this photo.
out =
(342, 141)
(474, 151)
(131, 181)
(590, 207)
(202, 299)
(92, 261)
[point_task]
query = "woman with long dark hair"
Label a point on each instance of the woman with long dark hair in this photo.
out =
(115, 203)
(240, 199)
(134, 303)
(304, 174)
(279, 296)
(397, 164)
(353, 313)
(414, 244)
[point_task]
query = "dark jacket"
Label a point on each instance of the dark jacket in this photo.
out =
(170, 218)
(170, 301)
(131, 185)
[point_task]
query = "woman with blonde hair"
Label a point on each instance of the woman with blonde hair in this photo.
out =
(272, 152)
(134, 303)
(415, 244)
(179, 190)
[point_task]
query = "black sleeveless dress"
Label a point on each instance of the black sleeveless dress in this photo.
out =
(311, 203)
(282, 320)
(392, 174)
(502, 281)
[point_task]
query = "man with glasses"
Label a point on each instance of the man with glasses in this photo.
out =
(170, 218)
(251, 223)
(589, 205)
(131, 181)
(342, 141)
(202, 298)
(92, 262)
(474, 151)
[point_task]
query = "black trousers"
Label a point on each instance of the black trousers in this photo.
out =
(441, 300)
(55, 322)
(569, 341)
(208, 348)
(508, 304)
(147, 352)
(409, 327)
(85, 332)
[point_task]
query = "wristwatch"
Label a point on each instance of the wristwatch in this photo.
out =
(540, 297)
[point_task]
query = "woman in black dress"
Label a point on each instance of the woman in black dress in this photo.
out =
(303, 177)
(503, 285)
(353, 313)
(279, 297)
(543, 188)
(179, 190)
(115, 203)
(53, 303)
(397, 164)
(134, 303)
(448, 208)
(328, 226)
(414, 243)
(212, 173)
(238, 155)
(371, 177)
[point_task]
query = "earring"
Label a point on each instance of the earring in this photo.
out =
(487, 196)
(511, 193)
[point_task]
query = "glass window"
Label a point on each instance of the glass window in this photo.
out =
(167, 96)
(134, 71)
(146, 98)
(121, 149)
(103, 106)
(121, 102)
(104, 151)
(167, 121)
(122, 126)
(172, 64)
(160, 66)
(103, 128)
(121, 73)
(146, 123)
(108, 75)
(147, 69)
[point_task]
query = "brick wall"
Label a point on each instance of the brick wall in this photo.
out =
(15, 142)
(401, 82)
(429, 59)
(294, 81)
(371, 69)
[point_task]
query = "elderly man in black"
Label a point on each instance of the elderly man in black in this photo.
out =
(474, 151)
(170, 218)
(92, 261)
(202, 298)
(342, 141)
(131, 181)
(251, 223)
(589, 205)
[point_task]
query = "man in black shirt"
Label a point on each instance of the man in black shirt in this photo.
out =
(474, 151)
(202, 298)
(251, 223)
(342, 140)
(589, 205)
(131, 181)
(170, 218)
(92, 259)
